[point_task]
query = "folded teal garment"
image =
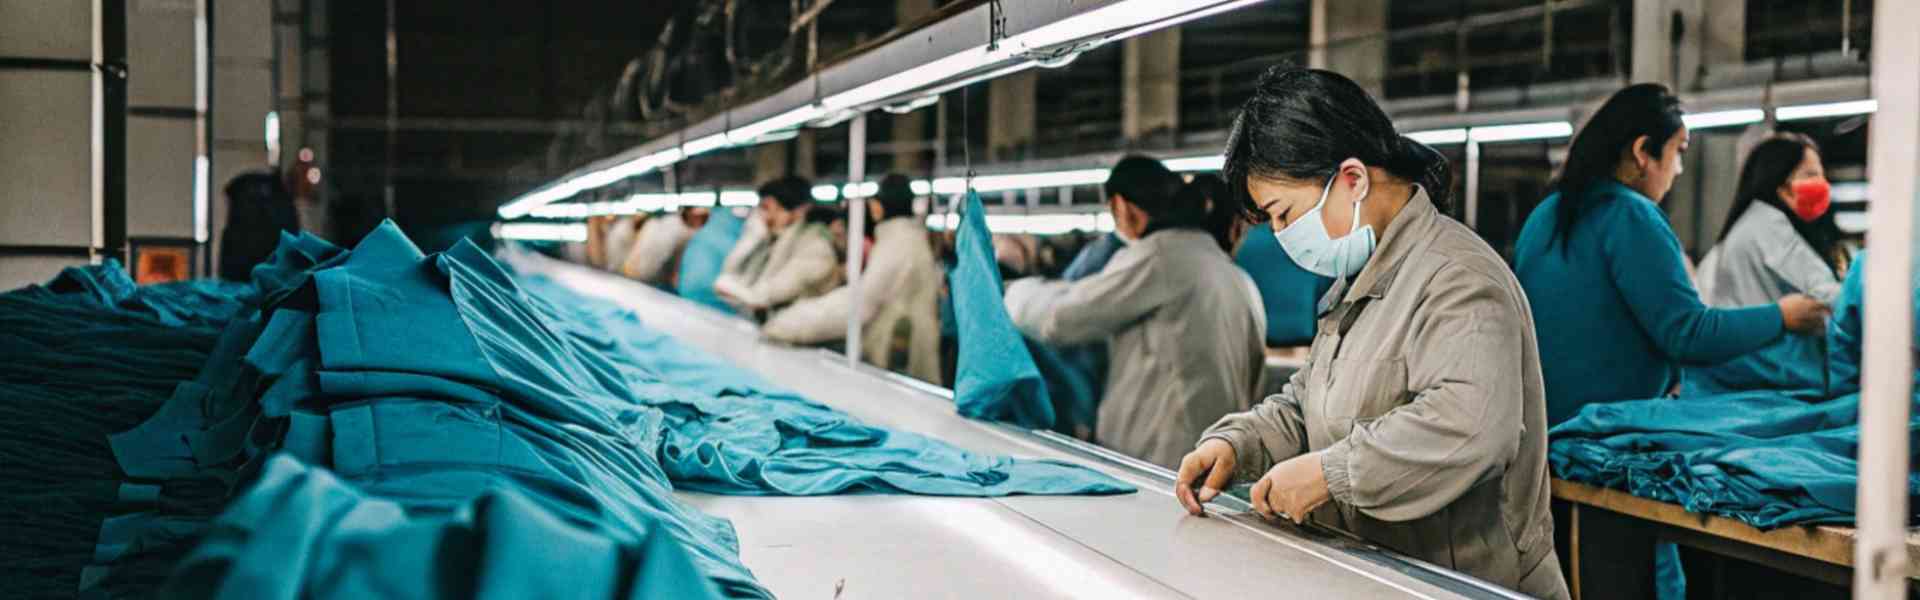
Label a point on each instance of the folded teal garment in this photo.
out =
(996, 379)
(301, 532)
(705, 255)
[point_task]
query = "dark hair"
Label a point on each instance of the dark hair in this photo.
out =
(1300, 123)
(790, 192)
(1641, 109)
(895, 196)
(1769, 166)
(1169, 202)
(256, 186)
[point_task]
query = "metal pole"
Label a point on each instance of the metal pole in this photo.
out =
(1472, 202)
(856, 231)
(393, 101)
(1880, 552)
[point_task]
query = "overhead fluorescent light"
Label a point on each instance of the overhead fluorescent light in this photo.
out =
(1026, 181)
(543, 232)
(1724, 118)
(1040, 224)
(825, 193)
(1522, 131)
(739, 198)
(566, 189)
(1196, 163)
(1436, 137)
(860, 190)
(1849, 191)
(952, 65)
(1121, 20)
(788, 120)
(1824, 110)
(921, 187)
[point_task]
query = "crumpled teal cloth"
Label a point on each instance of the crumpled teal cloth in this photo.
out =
(1766, 457)
(996, 379)
(705, 255)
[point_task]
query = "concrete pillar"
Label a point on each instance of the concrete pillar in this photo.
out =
(803, 154)
(1656, 57)
(52, 184)
(1726, 33)
(1150, 88)
(1343, 36)
(165, 115)
(1010, 116)
(910, 129)
(243, 94)
(769, 162)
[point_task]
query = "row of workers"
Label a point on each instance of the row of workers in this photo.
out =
(1419, 419)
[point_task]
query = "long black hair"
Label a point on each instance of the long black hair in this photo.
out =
(1768, 167)
(1300, 123)
(1171, 203)
(1648, 109)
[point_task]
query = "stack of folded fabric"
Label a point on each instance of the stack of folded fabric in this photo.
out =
(1768, 457)
(382, 422)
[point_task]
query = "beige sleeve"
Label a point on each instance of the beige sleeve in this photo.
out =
(1272, 431)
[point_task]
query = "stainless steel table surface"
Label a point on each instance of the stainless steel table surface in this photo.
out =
(1140, 545)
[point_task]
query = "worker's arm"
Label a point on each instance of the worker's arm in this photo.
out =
(812, 264)
(1797, 263)
(1091, 309)
(1270, 432)
(1644, 259)
(1462, 427)
(815, 320)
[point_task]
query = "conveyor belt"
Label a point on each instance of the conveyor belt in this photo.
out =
(1133, 546)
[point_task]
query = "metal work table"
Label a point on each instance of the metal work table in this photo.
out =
(1139, 545)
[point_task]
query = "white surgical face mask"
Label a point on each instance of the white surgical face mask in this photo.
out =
(1306, 241)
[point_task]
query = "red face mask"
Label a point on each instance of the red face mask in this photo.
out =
(1811, 198)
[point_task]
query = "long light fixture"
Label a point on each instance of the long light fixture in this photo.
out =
(1033, 224)
(1825, 110)
(567, 189)
(1724, 118)
(1196, 163)
(1436, 137)
(542, 232)
(1523, 131)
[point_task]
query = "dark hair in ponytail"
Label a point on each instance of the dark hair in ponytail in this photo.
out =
(1170, 203)
(1648, 109)
(1768, 167)
(1300, 123)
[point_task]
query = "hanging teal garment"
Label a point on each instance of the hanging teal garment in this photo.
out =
(1290, 293)
(996, 378)
(1769, 457)
(704, 256)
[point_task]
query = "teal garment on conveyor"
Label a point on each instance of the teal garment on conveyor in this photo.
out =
(705, 255)
(1769, 458)
(1291, 295)
(996, 379)
(1616, 314)
(304, 533)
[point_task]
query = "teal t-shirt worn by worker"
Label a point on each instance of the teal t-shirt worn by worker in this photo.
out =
(1616, 314)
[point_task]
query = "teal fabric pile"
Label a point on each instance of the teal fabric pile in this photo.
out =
(1767, 457)
(1290, 294)
(385, 422)
(996, 379)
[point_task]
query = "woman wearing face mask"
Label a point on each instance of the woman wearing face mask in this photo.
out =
(1183, 325)
(1616, 313)
(1779, 239)
(1419, 420)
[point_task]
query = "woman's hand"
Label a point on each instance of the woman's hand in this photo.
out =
(1804, 315)
(1211, 463)
(1292, 489)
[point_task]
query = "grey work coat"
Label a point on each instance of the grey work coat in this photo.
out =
(1423, 395)
(1763, 259)
(1185, 331)
(899, 305)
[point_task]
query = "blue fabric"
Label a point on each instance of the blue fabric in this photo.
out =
(996, 379)
(1766, 457)
(1615, 312)
(705, 255)
(1290, 294)
(1093, 257)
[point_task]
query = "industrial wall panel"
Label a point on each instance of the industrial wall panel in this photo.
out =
(46, 180)
(160, 54)
(46, 29)
(159, 177)
(243, 29)
(242, 97)
(18, 271)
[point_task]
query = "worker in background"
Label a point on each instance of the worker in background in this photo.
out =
(1779, 239)
(898, 297)
(259, 208)
(794, 259)
(1419, 420)
(620, 234)
(1183, 325)
(655, 257)
(1616, 314)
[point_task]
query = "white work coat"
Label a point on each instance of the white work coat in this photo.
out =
(899, 305)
